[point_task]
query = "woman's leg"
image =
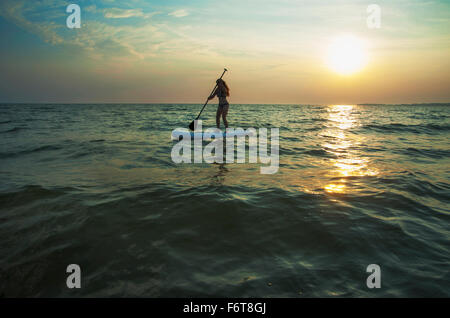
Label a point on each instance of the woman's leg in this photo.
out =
(218, 114)
(224, 115)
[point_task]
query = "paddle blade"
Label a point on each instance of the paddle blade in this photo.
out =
(192, 125)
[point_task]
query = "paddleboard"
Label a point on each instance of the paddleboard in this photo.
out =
(178, 134)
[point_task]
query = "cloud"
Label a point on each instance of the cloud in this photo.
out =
(179, 13)
(99, 39)
(102, 40)
(116, 13)
(14, 12)
(91, 8)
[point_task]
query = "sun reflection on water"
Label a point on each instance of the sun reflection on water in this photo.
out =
(344, 146)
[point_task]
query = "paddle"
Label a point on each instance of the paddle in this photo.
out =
(192, 124)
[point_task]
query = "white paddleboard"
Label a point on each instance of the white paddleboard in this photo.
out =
(178, 134)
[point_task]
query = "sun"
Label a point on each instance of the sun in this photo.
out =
(347, 55)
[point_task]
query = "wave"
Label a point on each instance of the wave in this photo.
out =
(15, 129)
(28, 194)
(423, 152)
(319, 153)
(417, 129)
(30, 151)
(72, 150)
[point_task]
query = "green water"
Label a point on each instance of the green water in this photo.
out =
(95, 185)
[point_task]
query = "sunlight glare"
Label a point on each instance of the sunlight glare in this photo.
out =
(346, 55)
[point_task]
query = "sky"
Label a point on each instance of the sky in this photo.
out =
(171, 51)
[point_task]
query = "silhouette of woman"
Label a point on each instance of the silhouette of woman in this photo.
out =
(222, 91)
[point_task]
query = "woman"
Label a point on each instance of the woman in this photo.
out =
(222, 91)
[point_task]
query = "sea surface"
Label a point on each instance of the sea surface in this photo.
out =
(95, 185)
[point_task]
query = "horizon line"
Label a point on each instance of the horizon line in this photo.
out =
(181, 103)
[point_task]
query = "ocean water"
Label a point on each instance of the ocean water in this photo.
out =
(95, 185)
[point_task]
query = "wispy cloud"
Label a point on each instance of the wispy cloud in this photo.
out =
(117, 13)
(15, 12)
(179, 13)
(99, 38)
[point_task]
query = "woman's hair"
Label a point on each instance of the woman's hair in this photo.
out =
(225, 85)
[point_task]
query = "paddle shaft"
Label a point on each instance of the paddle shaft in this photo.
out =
(207, 100)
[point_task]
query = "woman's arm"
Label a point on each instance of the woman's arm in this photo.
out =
(214, 94)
